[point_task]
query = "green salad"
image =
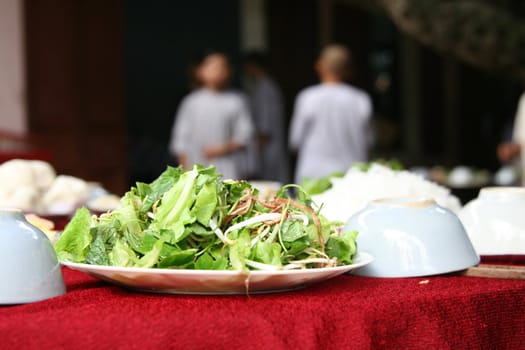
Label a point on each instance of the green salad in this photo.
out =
(195, 220)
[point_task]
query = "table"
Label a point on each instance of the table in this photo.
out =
(347, 312)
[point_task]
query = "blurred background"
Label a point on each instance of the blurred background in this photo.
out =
(93, 85)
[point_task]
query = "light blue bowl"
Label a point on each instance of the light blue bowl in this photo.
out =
(29, 269)
(411, 237)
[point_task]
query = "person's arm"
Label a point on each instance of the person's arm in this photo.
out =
(182, 159)
(260, 115)
(180, 135)
(507, 151)
(366, 113)
(298, 124)
(215, 151)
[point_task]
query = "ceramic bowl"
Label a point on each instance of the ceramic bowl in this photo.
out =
(495, 221)
(411, 237)
(28, 264)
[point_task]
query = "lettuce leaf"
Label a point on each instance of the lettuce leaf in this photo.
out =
(122, 255)
(342, 247)
(205, 204)
(73, 243)
(174, 211)
(178, 259)
(268, 253)
(206, 262)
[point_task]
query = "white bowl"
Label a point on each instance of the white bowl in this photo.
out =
(495, 221)
(460, 176)
(29, 268)
(411, 237)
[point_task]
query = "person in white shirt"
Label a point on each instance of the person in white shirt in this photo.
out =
(271, 154)
(213, 124)
(513, 150)
(330, 124)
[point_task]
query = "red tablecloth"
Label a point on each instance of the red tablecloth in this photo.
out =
(348, 312)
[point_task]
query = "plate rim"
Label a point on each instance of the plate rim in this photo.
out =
(363, 257)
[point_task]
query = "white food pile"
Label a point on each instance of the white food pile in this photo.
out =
(357, 188)
(34, 186)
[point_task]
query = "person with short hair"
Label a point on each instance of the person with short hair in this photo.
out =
(330, 127)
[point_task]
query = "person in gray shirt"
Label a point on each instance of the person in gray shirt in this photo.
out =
(330, 124)
(213, 123)
(267, 107)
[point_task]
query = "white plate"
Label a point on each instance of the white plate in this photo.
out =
(181, 281)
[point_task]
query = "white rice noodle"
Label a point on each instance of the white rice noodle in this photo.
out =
(357, 188)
